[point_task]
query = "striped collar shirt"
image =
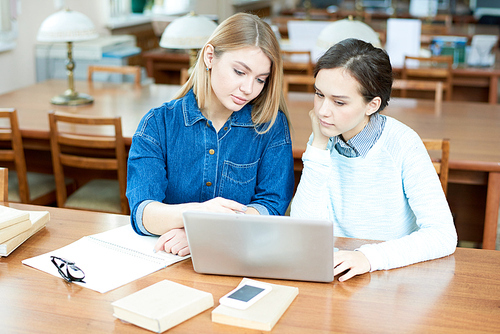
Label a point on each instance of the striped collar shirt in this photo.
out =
(360, 144)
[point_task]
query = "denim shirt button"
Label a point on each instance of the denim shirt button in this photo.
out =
(209, 184)
(225, 128)
(211, 151)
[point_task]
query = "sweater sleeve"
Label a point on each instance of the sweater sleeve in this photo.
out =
(436, 235)
(311, 198)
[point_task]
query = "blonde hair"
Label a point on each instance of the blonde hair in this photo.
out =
(238, 31)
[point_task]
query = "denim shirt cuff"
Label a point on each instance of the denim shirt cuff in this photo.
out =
(138, 217)
(261, 208)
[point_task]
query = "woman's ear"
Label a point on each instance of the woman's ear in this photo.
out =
(373, 106)
(208, 55)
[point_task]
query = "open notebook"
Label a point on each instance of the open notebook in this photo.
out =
(109, 259)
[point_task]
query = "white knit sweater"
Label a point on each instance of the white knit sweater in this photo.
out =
(393, 194)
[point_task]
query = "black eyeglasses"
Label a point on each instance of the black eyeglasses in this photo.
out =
(68, 270)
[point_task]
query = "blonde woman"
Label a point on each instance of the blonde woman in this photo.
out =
(222, 145)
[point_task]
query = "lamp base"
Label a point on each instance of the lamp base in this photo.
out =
(74, 99)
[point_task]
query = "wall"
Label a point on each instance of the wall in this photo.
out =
(17, 67)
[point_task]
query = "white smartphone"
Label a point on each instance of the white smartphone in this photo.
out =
(245, 295)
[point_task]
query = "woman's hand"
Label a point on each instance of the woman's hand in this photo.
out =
(320, 140)
(354, 262)
(174, 241)
(159, 218)
(218, 204)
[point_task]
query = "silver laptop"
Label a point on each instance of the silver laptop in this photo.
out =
(260, 246)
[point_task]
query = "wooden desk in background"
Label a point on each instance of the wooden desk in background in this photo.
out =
(165, 65)
(469, 83)
(380, 26)
(472, 127)
(473, 84)
(458, 293)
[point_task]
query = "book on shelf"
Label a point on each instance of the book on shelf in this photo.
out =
(109, 259)
(162, 305)
(262, 315)
(37, 219)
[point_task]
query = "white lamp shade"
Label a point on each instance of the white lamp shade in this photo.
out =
(66, 26)
(339, 30)
(187, 32)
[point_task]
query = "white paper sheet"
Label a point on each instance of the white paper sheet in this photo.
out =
(109, 259)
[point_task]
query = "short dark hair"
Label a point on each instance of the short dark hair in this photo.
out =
(369, 65)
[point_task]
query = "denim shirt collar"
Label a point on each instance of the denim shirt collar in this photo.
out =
(192, 113)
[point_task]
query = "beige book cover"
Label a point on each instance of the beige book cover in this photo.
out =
(10, 216)
(11, 231)
(262, 315)
(162, 305)
(38, 220)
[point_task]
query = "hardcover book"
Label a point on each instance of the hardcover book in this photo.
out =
(262, 315)
(10, 216)
(38, 220)
(162, 305)
(11, 231)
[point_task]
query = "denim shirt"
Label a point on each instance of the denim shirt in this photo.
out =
(177, 156)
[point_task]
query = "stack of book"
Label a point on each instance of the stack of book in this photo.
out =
(16, 226)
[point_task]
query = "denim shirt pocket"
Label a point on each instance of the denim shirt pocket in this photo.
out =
(239, 181)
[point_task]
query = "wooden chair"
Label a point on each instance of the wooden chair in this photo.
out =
(294, 65)
(297, 79)
(81, 143)
(289, 63)
(441, 146)
(421, 85)
(125, 70)
(436, 68)
(25, 187)
(4, 184)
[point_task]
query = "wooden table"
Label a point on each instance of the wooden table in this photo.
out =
(474, 132)
(456, 294)
(110, 99)
(472, 128)
(473, 83)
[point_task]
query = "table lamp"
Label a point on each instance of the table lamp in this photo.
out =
(68, 26)
(347, 28)
(188, 32)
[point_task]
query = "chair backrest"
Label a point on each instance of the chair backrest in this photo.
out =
(126, 70)
(298, 61)
(441, 164)
(4, 184)
(289, 79)
(431, 69)
(12, 151)
(421, 85)
(71, 146)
